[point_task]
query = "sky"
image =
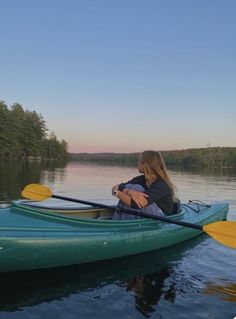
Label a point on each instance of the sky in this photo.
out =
(123, 75)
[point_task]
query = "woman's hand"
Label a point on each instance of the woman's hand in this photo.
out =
(139, 198)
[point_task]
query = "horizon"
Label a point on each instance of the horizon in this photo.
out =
(170, 150)
(122, 77)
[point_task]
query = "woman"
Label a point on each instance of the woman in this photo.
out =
(152, 192)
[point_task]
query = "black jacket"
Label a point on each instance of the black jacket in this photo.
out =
(159, 192)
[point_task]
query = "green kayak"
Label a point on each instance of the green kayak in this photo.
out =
(35, 237)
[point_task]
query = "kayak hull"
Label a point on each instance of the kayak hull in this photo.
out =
(36, 238)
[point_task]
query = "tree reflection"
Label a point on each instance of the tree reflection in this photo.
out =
(15, 175)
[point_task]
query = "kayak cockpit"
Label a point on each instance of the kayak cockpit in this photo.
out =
(68, 211)
(95, 213)
(75, 212)
(91, 213)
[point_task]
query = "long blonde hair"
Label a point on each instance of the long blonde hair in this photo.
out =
(153, 165)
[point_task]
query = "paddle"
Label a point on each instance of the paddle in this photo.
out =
(222, 231)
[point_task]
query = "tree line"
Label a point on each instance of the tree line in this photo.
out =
(197, 157)
(23, 134)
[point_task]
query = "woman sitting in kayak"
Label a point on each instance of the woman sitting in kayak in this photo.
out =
(151, 193)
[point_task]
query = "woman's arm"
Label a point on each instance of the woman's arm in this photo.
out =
(130, 197)
(127, 196)
(140, 180)
(139, 198)
(126, 199)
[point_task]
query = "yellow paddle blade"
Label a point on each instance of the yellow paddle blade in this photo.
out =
(224, 232)
(36, 192)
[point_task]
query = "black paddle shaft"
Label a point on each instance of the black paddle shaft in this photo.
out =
(132, 212)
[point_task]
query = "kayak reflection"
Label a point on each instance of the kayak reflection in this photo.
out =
(144, 275)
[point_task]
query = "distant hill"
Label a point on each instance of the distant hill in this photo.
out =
(210, 157)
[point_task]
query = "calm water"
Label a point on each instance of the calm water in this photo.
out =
(195, 279)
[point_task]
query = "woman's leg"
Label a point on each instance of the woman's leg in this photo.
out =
(151, 209)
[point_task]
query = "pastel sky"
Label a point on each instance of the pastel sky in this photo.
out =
(123, 75)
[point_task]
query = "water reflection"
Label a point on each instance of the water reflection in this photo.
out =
(149, 289)
(202, 170)
(176, 276)
(14, 175)
(225, 291)
(206, 171)
(147, 276)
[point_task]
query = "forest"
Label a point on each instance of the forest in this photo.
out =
(24, 135)
(196, 157)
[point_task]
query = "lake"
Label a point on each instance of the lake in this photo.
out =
(194, 279)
